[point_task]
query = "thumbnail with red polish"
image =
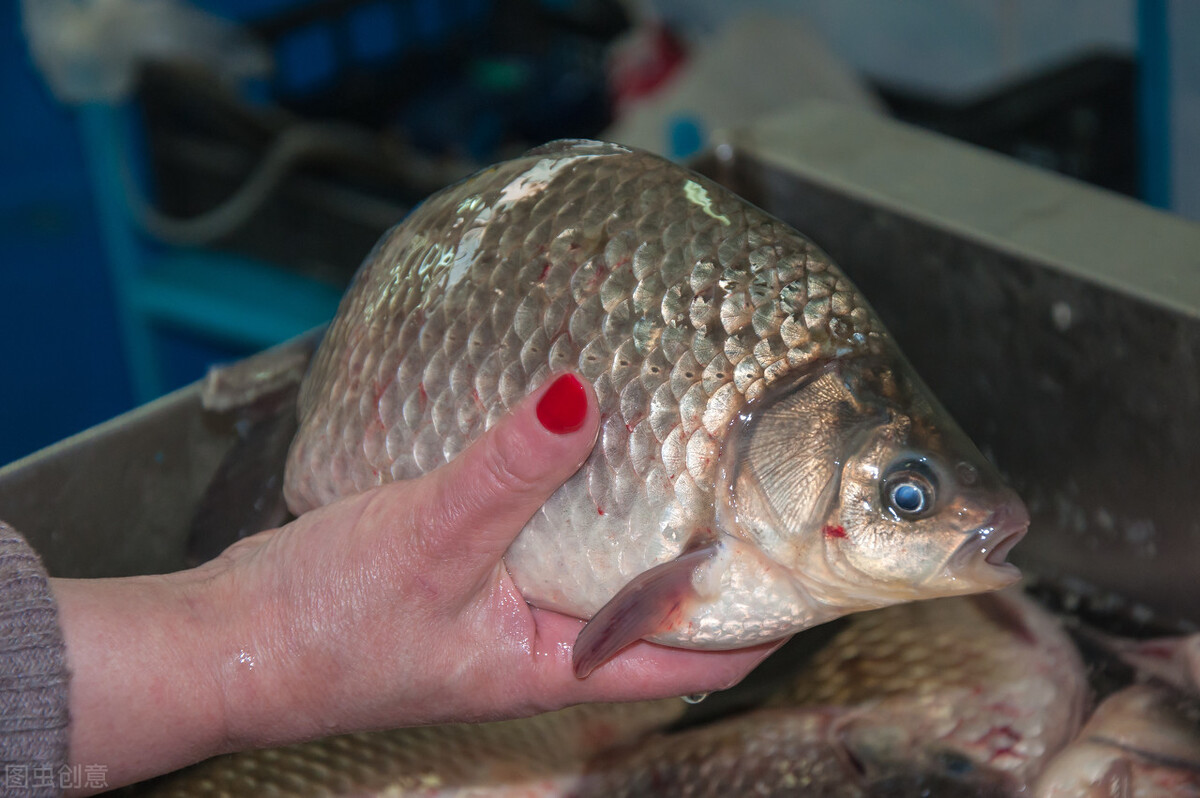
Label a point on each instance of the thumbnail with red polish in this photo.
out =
(563, 407)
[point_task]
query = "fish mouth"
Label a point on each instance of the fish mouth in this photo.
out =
(982, 557)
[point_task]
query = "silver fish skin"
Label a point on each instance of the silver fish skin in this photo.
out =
(767, 460)
(1142, 742)
(955, 697)
(538, 757)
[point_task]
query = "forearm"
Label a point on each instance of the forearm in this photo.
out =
(144, 692)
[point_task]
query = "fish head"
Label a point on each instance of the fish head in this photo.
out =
(896, 760)
(925, 513)
(1141, 740)
(854, 478)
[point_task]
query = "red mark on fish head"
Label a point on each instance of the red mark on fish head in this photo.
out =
(1002, 741)
(600, 511)
(835, 531)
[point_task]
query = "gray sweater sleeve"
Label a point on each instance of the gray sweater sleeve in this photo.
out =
(33, 674)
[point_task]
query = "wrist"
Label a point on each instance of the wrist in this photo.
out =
(268, 658)
(145, 693)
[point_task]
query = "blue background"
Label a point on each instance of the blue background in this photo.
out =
(60, 353)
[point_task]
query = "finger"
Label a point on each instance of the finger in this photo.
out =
(471, 509)
(641, 671)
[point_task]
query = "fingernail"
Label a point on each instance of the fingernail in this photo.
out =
(563, 407)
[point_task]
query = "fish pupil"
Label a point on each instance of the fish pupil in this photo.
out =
(908, 497)
(909, 489)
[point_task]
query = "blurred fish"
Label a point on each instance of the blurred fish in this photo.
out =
(774, 752)
(526, 758)
(767, 459)
(992, 679)
(1142, 742)
(957, 697)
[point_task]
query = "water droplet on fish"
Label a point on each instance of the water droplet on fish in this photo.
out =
(694, 698)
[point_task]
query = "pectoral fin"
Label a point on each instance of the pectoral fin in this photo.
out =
(653, 601)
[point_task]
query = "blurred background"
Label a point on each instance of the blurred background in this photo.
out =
(187, 183)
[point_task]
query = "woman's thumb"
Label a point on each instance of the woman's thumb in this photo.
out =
(475, 505)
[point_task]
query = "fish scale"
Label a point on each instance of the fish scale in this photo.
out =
(680, 303)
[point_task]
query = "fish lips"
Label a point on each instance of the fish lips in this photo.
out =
(980, 560)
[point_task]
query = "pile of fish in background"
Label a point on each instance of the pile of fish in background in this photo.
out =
(971, 696)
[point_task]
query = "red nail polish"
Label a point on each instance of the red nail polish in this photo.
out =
(563, 407)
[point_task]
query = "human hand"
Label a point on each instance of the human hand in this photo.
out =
(386, 609)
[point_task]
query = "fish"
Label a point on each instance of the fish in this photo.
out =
(772, 752)
(767, 459)
(966, 696)
(1142, 742)
(537, 757)
(994, 679)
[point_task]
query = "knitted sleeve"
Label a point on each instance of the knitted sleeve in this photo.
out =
(33, 674)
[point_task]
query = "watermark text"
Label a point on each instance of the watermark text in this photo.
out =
(64, 777)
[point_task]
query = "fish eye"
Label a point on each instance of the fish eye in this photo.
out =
(909, 490)
(954, 763)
